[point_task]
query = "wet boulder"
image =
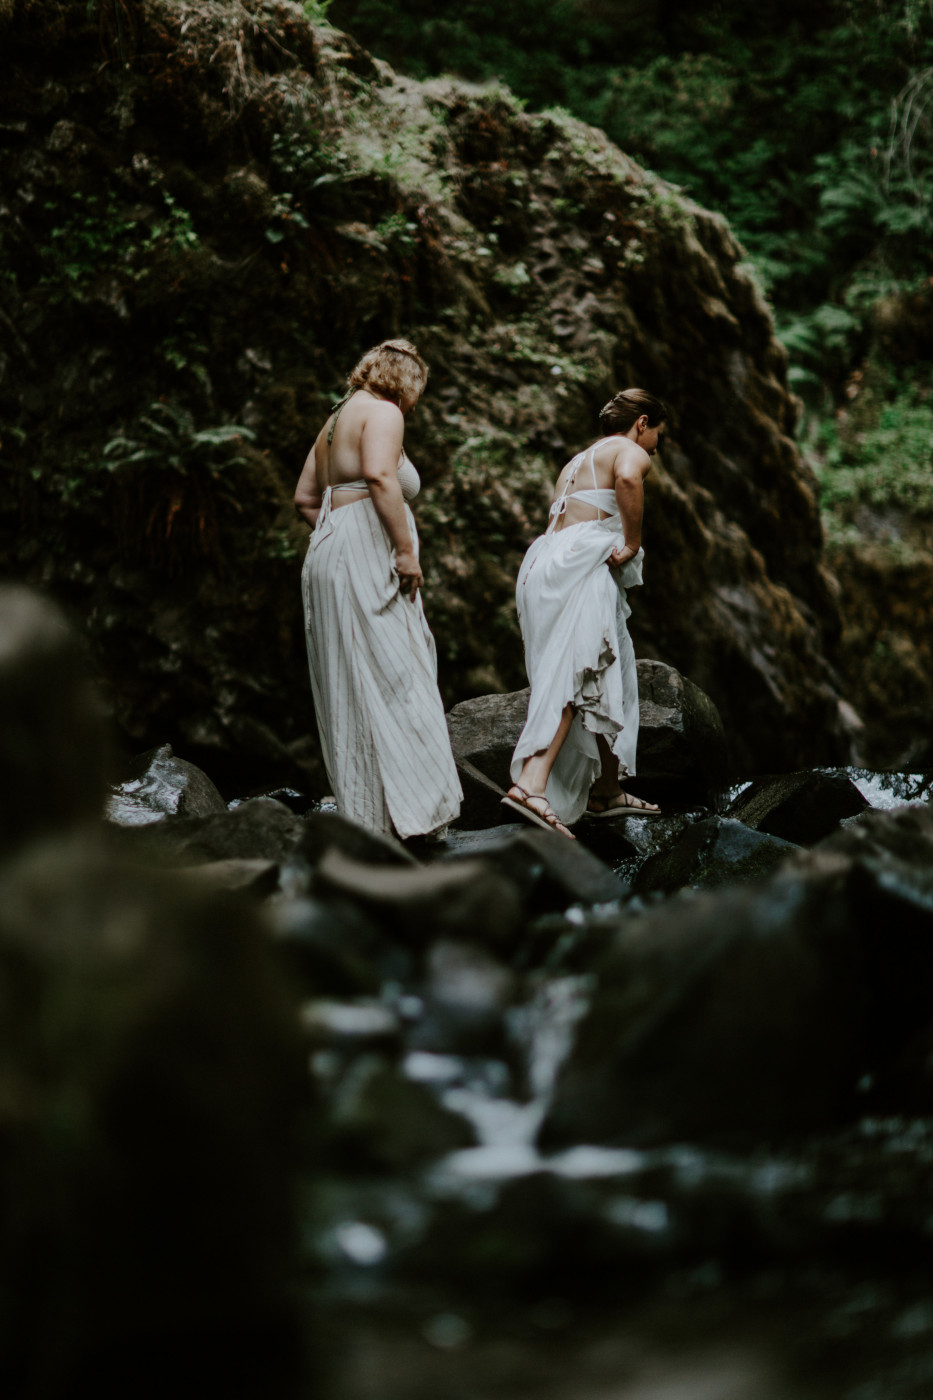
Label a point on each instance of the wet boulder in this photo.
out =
(156, 785)
(682, 750)
(715, 851)
(155, 1078)
(756, 1012)
(53, 747)
(799, 807)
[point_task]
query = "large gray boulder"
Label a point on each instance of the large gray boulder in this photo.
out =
(485, 730)
(52, 733)
(681, 745)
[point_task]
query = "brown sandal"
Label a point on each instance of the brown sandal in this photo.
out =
(622, 804)
(548, 818)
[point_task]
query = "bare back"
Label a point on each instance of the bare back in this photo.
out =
(609, 457)
(341, 458)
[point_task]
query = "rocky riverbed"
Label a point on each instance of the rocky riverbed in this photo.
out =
(647, 1115)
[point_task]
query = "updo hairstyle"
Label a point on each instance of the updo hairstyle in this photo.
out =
(625, 408)
(394, 369)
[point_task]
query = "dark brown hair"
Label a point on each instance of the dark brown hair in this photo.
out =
(393, 368)
(623, 409)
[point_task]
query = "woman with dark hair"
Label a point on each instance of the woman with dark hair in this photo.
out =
(582, 727)
(370, 652)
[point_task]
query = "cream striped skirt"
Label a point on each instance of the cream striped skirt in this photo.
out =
(374, 680)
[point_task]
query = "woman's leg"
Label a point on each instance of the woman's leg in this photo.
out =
(528, 791)
(607, 785)
(537, 769)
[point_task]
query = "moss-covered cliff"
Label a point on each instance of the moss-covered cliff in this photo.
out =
(207, 211)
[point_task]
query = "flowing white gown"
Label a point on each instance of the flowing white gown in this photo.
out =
(373, 669)
(572, 610)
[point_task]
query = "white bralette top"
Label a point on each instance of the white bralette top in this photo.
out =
(408, 479)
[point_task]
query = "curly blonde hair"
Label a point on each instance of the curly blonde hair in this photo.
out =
(393, 368)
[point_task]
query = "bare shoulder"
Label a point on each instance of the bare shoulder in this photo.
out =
(380, 413)
(629, 459)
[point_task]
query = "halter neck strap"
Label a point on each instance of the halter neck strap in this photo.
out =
(337, 410)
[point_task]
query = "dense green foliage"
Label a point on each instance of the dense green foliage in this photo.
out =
(807, 126)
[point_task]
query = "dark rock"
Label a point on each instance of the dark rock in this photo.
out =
(466, 997)
(799, 807)
(716, 851)
(380, 1117)
(157, 785)
(482, 799)
(52, 735)
(549, 871)
(259, 829)
(465, 898)
(321, 832)
(484, 732)
(149, 1135)
(682, 750)
(335, 948)
(758, 1011)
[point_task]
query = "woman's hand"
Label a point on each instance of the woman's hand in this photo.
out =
(621, 556)
(410, 577)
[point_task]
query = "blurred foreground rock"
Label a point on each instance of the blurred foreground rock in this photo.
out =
(153, 1080)
(52, 737)
(757, 1013)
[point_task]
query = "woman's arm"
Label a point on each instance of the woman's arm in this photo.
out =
(380, 449)
(307, 492)
(629, 472)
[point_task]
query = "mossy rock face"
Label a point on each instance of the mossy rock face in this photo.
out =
(203, 235)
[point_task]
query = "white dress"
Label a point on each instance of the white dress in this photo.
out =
(572, 610)
(373, 669)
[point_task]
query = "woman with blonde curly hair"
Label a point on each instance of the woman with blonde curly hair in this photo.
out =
(370, 652)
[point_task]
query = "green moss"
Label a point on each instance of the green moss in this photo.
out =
(879, 454)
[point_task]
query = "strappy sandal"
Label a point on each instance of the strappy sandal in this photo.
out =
(621, 804)
(548, 818)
